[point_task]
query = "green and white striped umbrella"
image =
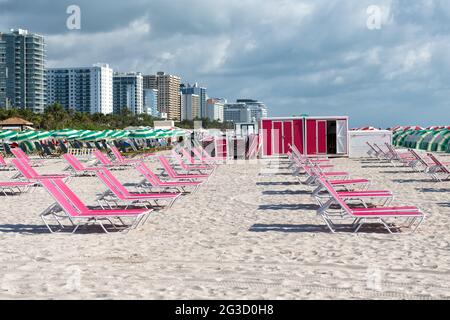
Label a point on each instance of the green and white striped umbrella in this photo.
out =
(25, 136)
(7, 134)
(93, 136)
(143, 134)
(43, 135)
(118, 134)
(65, 133)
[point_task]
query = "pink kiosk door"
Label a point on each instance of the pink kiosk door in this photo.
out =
(311, 137)
(322, 137)
(267, 137)
(277, 135)
(287, 136)
(298, 135)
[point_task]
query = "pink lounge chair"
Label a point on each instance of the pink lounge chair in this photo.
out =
(79, 214)
(19, 154)
(201, 169)
(384, 197)
(79, 169)
(31, 175)
(439, 168)
(295, 152)
(175, 175)
(4, 166)
(104, 161)
(188, 156)
(117, 191)
(121, 159)
(312, 175)
(205, 157)
(156, 182)
(412, 214)
(15, 187)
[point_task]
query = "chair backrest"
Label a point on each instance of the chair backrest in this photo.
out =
(180, 160)
(20, 154)
(71, 196)
(101, 157)
(117, 154)
(2, 161)
(438, 163)
(148, 174)
(379, 149)
(63, 146)
(166, 165)
(74, 162)
(201, 154)
(418, 157)
(24, 169)
(188, 155)
(59, 197)
(112, 183)
(333, 193)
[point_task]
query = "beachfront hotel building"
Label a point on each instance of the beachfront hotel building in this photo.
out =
(190, 106)
(22, 65)
(187, 89)
(87, 89)
(215, 109)
(168, 87)
(128, 92)
(245, 110)
(150, 101)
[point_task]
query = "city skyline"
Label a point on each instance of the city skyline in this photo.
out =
(313, 57)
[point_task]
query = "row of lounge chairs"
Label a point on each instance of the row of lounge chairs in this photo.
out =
(342, 198)
(420, 162)
(118, 207)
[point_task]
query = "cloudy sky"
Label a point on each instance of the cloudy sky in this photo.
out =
(317, 57)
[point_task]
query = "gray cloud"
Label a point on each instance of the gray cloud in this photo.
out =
(314, 57)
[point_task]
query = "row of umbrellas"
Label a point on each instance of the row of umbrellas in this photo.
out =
(89, 135)
(430, 139)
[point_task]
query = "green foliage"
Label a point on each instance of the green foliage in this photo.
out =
(57, 117)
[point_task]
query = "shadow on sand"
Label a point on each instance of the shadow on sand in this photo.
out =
(28, 229)
(311, 228)
(285, 192)
(293, 207)
(437, 190)
(278, 183)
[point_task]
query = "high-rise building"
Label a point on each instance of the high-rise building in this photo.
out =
(22, 65)
(245, 110)
(201, 92)
(258, 109)
(215, 109)
(88, 89)
(168, 87)
(190, 106)
(151, 102)
(237, 113)
(128, 92)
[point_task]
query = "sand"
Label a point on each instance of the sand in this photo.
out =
(251, 233)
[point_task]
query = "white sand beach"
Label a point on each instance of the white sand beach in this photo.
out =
(251, 233)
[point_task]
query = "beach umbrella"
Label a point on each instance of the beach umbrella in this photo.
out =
(143, 134)
(7, 134)
(28, 135)
(43, 135)
(93, 136)
(65, 133)
(425, 141)
(119, 134)
(440, 141)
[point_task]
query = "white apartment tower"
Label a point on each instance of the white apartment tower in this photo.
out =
(88, 89)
